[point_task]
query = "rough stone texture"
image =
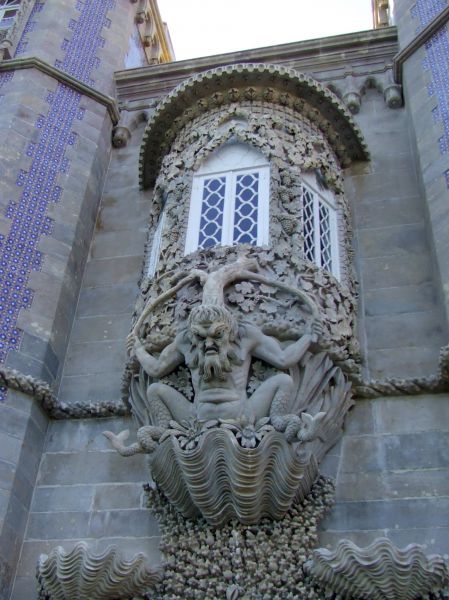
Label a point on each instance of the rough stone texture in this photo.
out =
(85, 491)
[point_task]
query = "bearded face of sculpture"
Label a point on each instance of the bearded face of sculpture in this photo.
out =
(213, 331)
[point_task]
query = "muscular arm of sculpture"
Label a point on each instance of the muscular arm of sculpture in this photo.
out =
(278, 389)
(165, 363)
(269, 350)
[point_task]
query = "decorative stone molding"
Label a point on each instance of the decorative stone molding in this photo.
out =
(9, 38)
(227, 85)
(42, 392)
(404, 387)
(381, 571)
(33, 62)
(153, 32)
(81, 574)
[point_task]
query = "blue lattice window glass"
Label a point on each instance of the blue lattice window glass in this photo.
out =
(212, 208)
(230, 198)
(319, 221)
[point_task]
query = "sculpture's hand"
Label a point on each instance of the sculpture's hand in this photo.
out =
(315, 329)
(132, 342)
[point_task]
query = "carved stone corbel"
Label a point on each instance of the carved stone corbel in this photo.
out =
(381, 571)
(351, 95)
(81, 574)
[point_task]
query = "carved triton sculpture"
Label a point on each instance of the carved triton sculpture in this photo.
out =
(240, 439)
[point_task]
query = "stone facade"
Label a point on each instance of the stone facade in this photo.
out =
(368, 111)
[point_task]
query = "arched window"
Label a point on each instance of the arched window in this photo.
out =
(230, 199)
(320, 229)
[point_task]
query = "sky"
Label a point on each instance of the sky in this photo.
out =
(206, 27)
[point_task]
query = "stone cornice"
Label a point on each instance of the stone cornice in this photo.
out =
(248, 81)
(423, 37)
(33, 62)
(366, 52)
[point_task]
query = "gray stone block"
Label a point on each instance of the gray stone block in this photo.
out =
(392, 183)
(434, 540)
(95, 357)
(391, 211)
(360, 419)
(91, 467)
(76, 498)
(417, 451)
(58, 525)
(423, 483)
(361, 454)
(397, 300)
(7, 472)
(29, 366)
(10, 448)
(110, 271)
(4, 501)
(392, 514)
(360, 486)
(95, 329)
(405, 329)
(92, 389)
(24, 588)
(119, 244)
(84, 434)
(16, 517)
(22, 488)
(409, 414)
(394, 271)
(108, 300)
(123, 523)
(392, 240)
(409, 361)
(116, 496)
(13, 422)
(118, 214)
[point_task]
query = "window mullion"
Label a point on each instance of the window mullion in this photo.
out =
(316, 228)
(227, 238)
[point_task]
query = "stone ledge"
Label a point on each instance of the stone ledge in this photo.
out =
(33, 62)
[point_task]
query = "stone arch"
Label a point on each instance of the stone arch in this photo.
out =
(250, 82)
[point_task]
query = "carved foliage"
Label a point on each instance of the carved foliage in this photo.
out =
(380, 571)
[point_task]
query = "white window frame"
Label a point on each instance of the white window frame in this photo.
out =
(156, 246)
(326, 198)
(227, 232)
(4, 8)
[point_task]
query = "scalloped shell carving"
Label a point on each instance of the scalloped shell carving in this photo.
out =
(80, 574)
(221, 480)
(381, 571)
